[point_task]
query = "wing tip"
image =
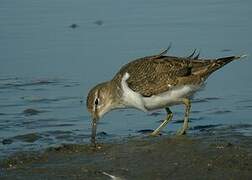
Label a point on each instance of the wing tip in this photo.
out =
(241, 56)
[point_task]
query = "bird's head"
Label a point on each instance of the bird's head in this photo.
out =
(99, 102)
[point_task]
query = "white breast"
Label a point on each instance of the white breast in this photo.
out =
(131, 98)
(169, 98)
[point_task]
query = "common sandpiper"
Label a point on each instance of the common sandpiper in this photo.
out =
(151, 83)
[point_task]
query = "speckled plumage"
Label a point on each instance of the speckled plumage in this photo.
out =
(154, 75)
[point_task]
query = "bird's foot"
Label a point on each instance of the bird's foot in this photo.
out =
(155, 134)
(181, 132)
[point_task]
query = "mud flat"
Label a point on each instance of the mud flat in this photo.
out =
(218, 154)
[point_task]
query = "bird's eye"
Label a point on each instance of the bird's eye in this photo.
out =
(96, 101)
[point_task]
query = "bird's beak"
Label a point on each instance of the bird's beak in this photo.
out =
(94, 127)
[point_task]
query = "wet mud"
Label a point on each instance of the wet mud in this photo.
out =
(220, 154)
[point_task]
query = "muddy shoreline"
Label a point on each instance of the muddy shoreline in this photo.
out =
(222, 154)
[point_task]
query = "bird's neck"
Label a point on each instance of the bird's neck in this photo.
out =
(114, 93)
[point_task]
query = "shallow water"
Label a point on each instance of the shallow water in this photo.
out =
(53, 52)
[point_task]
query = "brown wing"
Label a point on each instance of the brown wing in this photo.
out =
(155, 74)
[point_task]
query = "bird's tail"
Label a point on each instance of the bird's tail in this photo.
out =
(225, 60)
(220, 62)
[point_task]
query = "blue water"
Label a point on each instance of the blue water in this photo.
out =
(47, 66)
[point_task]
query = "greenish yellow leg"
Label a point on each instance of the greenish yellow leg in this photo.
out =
(162, 125)
(185, 126)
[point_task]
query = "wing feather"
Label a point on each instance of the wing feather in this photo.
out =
(154, 75)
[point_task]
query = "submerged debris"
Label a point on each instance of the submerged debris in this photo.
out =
(99, 22)
(31, 112)
(7, 141)
(73, 26)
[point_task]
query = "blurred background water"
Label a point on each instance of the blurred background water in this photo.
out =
(53, 51)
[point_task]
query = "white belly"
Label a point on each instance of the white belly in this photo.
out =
(169, 98)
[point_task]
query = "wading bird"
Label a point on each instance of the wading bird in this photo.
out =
(151, 83)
